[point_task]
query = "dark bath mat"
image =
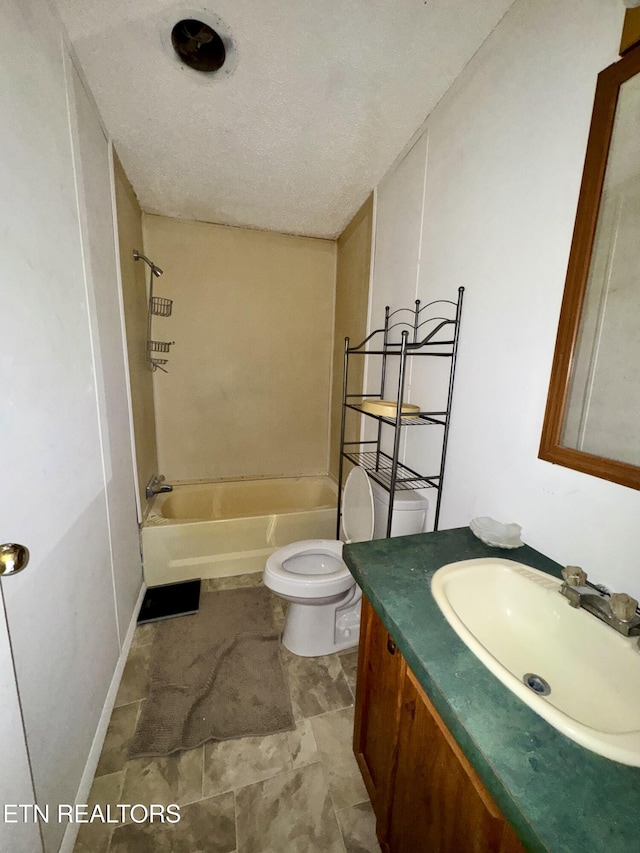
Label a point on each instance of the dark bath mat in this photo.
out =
(170, 599)
(215, 676)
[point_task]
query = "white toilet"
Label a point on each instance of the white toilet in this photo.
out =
(324, 600)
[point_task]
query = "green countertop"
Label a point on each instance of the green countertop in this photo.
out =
(559, 797)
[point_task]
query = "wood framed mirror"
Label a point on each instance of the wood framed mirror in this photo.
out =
(592, 418)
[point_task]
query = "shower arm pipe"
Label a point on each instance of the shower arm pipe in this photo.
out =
(138, 256)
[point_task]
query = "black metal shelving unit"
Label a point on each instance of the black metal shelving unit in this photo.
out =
(432, 335)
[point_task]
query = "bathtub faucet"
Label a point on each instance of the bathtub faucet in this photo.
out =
(156, 485)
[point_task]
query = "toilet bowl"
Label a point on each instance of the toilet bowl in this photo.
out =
(323, 614)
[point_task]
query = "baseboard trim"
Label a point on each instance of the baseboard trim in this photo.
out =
(71, 832)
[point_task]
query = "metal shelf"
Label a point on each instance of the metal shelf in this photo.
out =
(419, 419)
(432, 331)
(379, 466)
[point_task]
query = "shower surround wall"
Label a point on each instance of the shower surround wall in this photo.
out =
(134, 295)
(353, 268)
(248, 388)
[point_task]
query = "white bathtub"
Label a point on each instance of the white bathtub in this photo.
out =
(210, 530)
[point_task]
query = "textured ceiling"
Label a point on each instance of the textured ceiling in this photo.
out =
(323, 97)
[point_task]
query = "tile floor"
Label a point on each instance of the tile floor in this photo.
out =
(294, 792)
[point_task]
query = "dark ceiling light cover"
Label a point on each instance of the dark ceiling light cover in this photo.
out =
(198, 45)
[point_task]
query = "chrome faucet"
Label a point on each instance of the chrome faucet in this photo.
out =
(618, 610)
(156, 485)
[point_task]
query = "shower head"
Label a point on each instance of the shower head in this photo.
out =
(138, 256)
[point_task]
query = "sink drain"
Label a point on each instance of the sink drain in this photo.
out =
(536, 683)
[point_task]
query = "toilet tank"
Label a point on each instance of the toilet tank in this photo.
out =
(409, 512)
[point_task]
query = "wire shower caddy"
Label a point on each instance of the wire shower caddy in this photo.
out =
(160, 307)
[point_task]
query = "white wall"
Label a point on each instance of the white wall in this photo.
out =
(504, 152)
(98, 235)
(65, 452)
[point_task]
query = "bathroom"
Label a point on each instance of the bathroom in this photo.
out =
(486, 200)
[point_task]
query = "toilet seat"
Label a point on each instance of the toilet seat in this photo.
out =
(323, 581)
(317, 578)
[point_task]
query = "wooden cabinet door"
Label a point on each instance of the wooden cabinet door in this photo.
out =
(439, 804)
(381, 670)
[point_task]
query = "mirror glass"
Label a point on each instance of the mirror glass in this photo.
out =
(592, 420)
(603, 405)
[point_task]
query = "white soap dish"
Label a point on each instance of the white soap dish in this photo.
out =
(496, 534)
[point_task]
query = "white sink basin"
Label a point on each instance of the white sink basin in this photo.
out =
(517, 623)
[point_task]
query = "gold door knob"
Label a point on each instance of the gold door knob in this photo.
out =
(13, 558)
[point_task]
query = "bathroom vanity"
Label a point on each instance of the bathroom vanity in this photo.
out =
(451, 758)
(425, 794)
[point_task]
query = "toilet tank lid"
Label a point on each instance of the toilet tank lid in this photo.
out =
(357, 506)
